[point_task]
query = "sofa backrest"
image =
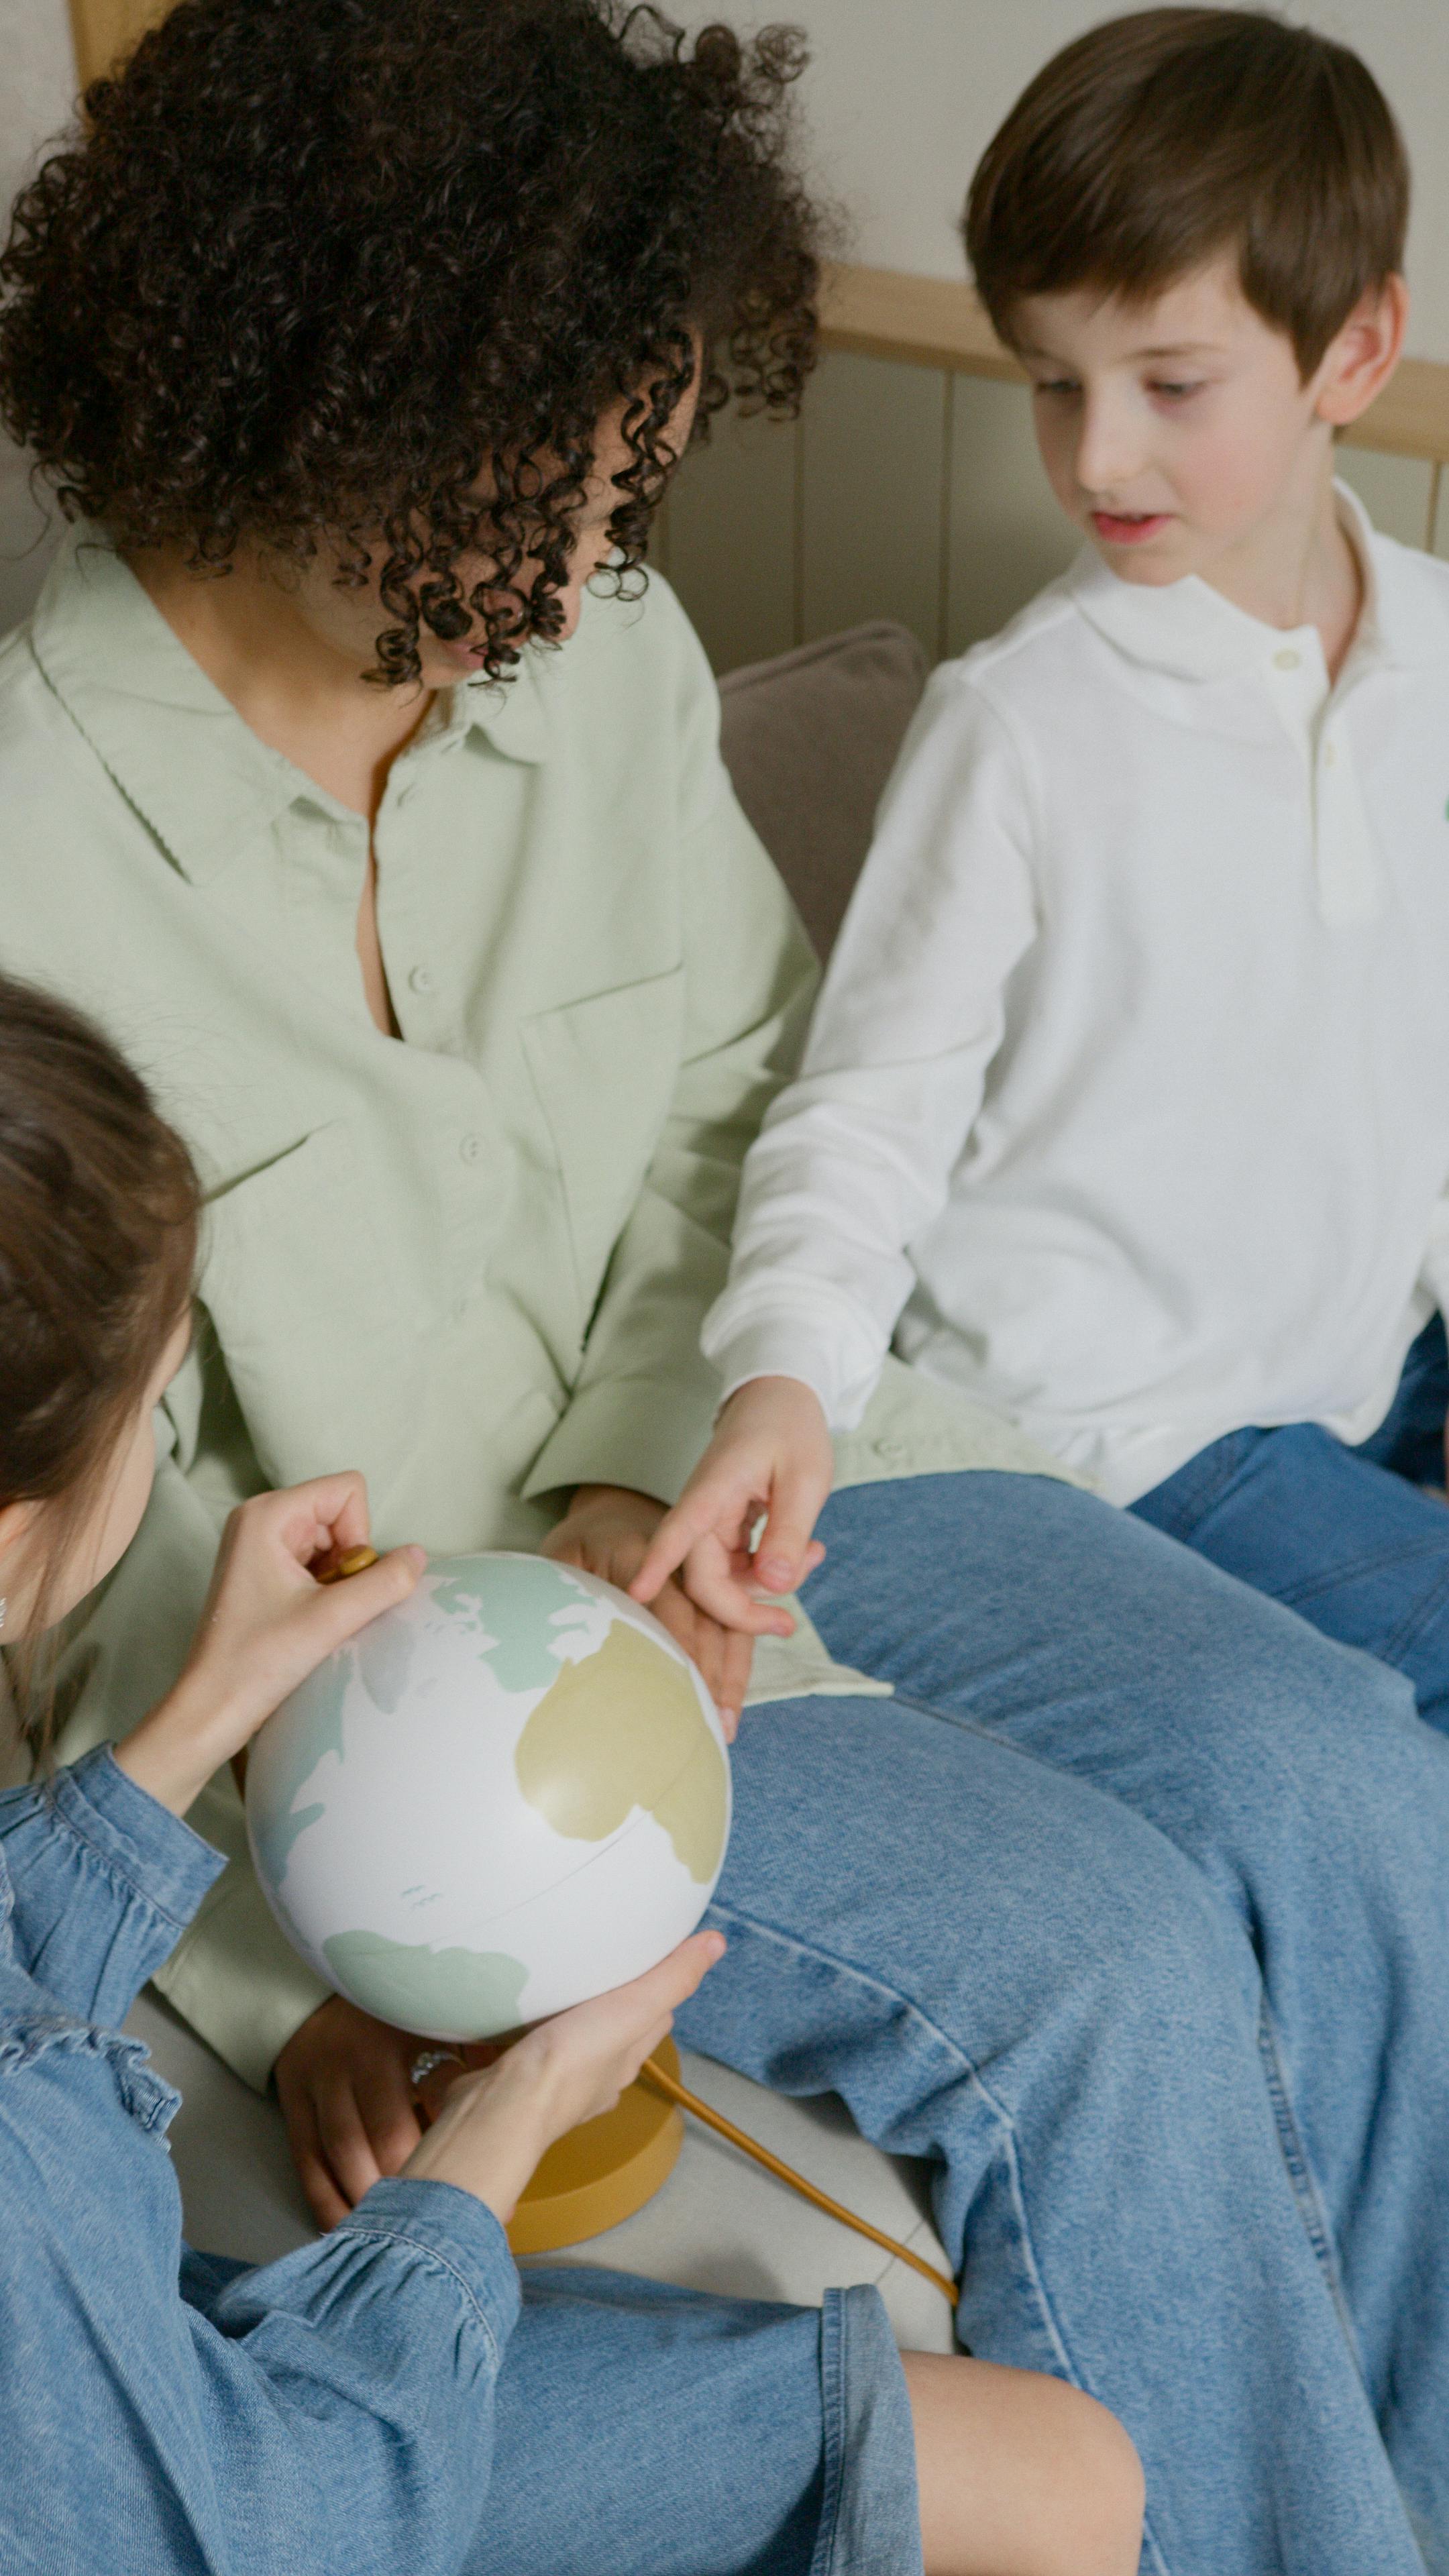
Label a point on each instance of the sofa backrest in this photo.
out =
(809, 741)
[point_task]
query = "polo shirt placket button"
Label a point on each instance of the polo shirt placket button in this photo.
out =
(420, 980)
(470, 1148)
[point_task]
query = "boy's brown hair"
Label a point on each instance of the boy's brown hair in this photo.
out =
(1159, 140)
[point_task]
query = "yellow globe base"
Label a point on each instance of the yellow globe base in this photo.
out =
(601, 2173)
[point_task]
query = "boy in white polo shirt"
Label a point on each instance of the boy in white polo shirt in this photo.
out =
(1126, 1104)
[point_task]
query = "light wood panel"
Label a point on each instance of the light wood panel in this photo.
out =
(105, 29)
(938, 322)
(732, 540)
(873, 476)
(1006, 537)
(925, 321)
(1396, 491)
(913, 492)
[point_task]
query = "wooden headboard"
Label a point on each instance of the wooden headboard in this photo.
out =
(105, 29)
(938, 322)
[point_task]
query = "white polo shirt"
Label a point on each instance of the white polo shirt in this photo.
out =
(1126, 1103)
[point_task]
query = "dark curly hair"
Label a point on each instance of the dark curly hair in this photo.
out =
(371, 272)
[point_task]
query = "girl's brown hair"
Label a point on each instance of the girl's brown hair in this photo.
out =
(1158, 140)
(99, 1207)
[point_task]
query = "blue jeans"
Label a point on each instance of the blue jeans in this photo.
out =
(1347, 1537)
(165, 2413)
(1130, 1911)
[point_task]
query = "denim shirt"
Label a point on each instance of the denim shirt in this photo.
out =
(333, 2411)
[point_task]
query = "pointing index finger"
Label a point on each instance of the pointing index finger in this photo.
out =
(668, 1549)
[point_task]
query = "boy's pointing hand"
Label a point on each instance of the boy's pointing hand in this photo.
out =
(771, 1457)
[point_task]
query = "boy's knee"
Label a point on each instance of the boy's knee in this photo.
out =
(1172, 1975)
(1275, 1706)
(1339, 1738)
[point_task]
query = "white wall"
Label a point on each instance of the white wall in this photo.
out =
(35, 102)
(39, 78)
(903, 95)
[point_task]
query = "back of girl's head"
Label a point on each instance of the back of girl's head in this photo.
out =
(330, 273)
(98, 1219)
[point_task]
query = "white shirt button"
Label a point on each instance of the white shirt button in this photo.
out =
(1287, 660)
(470, 1148)
(420, 980)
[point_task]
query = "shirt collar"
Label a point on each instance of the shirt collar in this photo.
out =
(174, 745)
(1189, 631)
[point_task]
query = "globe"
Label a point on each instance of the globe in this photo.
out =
(499, 1799)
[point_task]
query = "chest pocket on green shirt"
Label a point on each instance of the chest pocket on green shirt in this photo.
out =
(322, 1312)
(605, 1070)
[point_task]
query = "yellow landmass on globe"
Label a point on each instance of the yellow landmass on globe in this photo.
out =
(622, 1729)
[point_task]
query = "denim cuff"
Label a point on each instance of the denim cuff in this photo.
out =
(159, 1856)
(459, 2231)
(870, 2520)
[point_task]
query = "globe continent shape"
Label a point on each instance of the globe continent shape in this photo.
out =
(500, 1798)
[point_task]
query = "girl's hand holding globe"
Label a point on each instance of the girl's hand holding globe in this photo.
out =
(496, 2124)
(268, 1624)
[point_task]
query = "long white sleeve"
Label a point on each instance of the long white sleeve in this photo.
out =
(1126, 1110)
(856, 1157)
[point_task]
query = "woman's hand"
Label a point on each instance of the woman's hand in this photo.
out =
(344, 2082)
(607, 1530)
(496, 2124)
(771, 1457)
(267, 1623)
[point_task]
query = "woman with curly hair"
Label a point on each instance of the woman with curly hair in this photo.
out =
(353, 774)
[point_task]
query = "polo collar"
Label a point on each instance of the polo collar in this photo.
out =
(1187, 630)
(174, 745)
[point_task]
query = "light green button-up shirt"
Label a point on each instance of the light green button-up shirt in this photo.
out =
(472, 1262)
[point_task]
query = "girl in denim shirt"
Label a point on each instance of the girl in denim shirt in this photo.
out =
(391, 2397)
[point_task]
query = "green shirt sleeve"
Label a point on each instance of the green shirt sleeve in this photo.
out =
(645, 1397)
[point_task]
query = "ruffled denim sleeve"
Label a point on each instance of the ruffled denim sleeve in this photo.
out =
(365, 2362)
(331, 2413)
(97, 1884)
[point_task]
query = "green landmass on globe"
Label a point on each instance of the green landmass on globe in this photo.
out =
(413, 1985)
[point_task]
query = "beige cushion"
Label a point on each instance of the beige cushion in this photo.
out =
(809, 741)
